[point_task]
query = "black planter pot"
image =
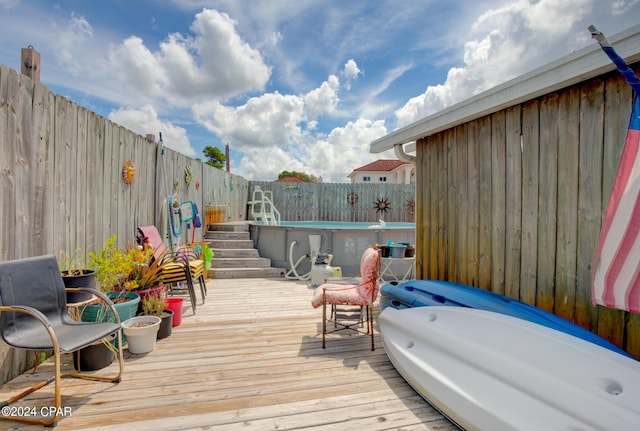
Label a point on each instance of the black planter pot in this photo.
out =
(86, 279)
(93, 357)
(165, 324)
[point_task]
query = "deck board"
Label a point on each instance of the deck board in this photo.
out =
(249, 359)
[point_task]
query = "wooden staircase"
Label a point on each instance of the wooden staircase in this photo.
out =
(234, 254)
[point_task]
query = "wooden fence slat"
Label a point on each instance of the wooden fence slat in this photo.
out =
(498, 201)
(547, 202)
(485, 204)
(589, 196)
(513, 182)
(530, 183)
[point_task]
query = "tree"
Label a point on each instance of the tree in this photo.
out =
(302, 175)
(215, 157)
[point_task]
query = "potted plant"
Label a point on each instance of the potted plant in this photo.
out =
(113, 265)
(75, 273)
(145, 275)
(141, 333)
(157, 305)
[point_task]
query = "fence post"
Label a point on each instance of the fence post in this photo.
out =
(30, 63)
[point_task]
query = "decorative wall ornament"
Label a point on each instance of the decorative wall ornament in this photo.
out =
(128, 172)
(382, 205)
(197, 184)
(188, 176)
(411, 206)
(352, 198)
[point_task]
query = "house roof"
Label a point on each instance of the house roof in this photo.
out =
(576, 67)
(382, 165)
(290, 179)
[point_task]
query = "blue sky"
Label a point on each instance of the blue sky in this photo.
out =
(302, 85)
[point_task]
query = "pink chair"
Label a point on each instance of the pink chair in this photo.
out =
(177, 267)
(363, 295)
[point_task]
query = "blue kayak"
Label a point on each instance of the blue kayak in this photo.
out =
(421, 293)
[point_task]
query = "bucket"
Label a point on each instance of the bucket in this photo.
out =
(384, 250)
(175, 304)
(397, 251)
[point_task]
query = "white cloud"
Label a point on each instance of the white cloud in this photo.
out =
(323, 99)
(212, 63)
(503, 43)
(270, 120)
(69, 42)
(345, 149)
(145, 121)
(276, 132)
(350, 72)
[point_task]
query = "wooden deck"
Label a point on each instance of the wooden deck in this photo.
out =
(249, 359)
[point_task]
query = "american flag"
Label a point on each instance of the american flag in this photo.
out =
(616, 268)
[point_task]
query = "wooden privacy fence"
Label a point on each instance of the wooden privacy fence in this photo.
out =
(61, 183)
(513, 202)
(342, 202)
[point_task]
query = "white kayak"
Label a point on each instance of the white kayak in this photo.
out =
(489, 371)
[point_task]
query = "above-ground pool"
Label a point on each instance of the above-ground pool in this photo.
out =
(346, 241)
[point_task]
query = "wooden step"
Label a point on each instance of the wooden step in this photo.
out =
(239, 262)
(235, 252)
(228, 227)
(230, 244)
(223, 235)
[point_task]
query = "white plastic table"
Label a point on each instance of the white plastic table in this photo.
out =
(385, 268)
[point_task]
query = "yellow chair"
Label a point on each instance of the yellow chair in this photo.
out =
(176, 266)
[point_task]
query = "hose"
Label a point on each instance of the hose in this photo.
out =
(296, 276)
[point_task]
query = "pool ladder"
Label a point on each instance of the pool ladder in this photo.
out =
(262, 207)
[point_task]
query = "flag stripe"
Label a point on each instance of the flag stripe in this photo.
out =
(615, 279)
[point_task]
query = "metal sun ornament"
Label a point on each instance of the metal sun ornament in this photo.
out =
(382, 205)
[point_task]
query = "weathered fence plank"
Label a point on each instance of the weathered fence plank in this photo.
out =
(485, 203)
(547, 203)
(589, 195)
(513, 181)
(498, 201)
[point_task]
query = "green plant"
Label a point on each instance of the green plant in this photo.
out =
(112, 265)
(73, 264)
(154, 305)
(146, 272)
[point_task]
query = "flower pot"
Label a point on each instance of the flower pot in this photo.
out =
(93, 357)
(86, 279)
(166, 324)
(141, 333)
(175, 304)
(145, 293)
(126, 308)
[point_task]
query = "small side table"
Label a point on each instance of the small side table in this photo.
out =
(385, 268)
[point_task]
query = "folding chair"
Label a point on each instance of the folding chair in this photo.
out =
(176, 266)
